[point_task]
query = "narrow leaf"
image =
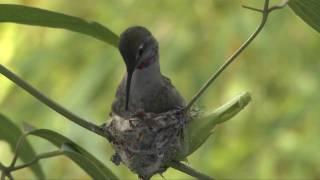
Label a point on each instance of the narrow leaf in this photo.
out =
(308, 10)
(40, 17)
(95, 168)
(85, 163)
(199, 130)
(10, 133)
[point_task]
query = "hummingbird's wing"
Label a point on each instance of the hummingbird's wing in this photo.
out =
(118, 105)
(161, 98)
(174, 98)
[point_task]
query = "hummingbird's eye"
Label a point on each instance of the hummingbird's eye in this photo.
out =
(140, 50)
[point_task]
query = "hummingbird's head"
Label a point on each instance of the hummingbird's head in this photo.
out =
(139, 50)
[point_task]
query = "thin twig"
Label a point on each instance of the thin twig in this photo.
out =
(252, 8)
(16, 153)
(265, 13)
(270, 9)
(36, 159)
(52, 104)
(188, 170)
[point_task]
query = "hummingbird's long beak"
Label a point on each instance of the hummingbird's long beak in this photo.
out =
(128, 84)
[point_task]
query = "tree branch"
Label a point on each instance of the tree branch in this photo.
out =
(265, 13)
(52, 104)
(188, 170)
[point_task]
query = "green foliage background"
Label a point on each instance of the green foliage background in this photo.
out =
(275, 137)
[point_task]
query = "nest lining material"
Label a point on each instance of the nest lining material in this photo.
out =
(145, 142)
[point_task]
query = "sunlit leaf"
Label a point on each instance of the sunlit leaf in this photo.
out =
(199, 130)
(10, 133)
(95, 168)
(308, 10)
(40, 17)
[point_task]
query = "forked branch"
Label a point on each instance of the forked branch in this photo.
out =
(265, 14)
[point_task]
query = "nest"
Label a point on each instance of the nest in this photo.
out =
(145, 142)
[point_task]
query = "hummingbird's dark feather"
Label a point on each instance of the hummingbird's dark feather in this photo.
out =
(143, 88)
(161, 99)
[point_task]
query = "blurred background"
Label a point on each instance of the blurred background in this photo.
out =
(276, 136)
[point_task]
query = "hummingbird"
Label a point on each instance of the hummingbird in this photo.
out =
(143, 88)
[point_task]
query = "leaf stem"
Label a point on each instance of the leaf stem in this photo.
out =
(188, 170)
(52, 104)
(18, 146)
(265, 13)
(36, 159)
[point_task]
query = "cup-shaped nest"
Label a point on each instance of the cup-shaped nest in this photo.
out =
(145, 142)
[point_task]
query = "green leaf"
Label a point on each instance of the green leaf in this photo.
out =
(40, 17)
(11, 134)
(199, 130)
(308, 10)
(89, 166)
(95, 168)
